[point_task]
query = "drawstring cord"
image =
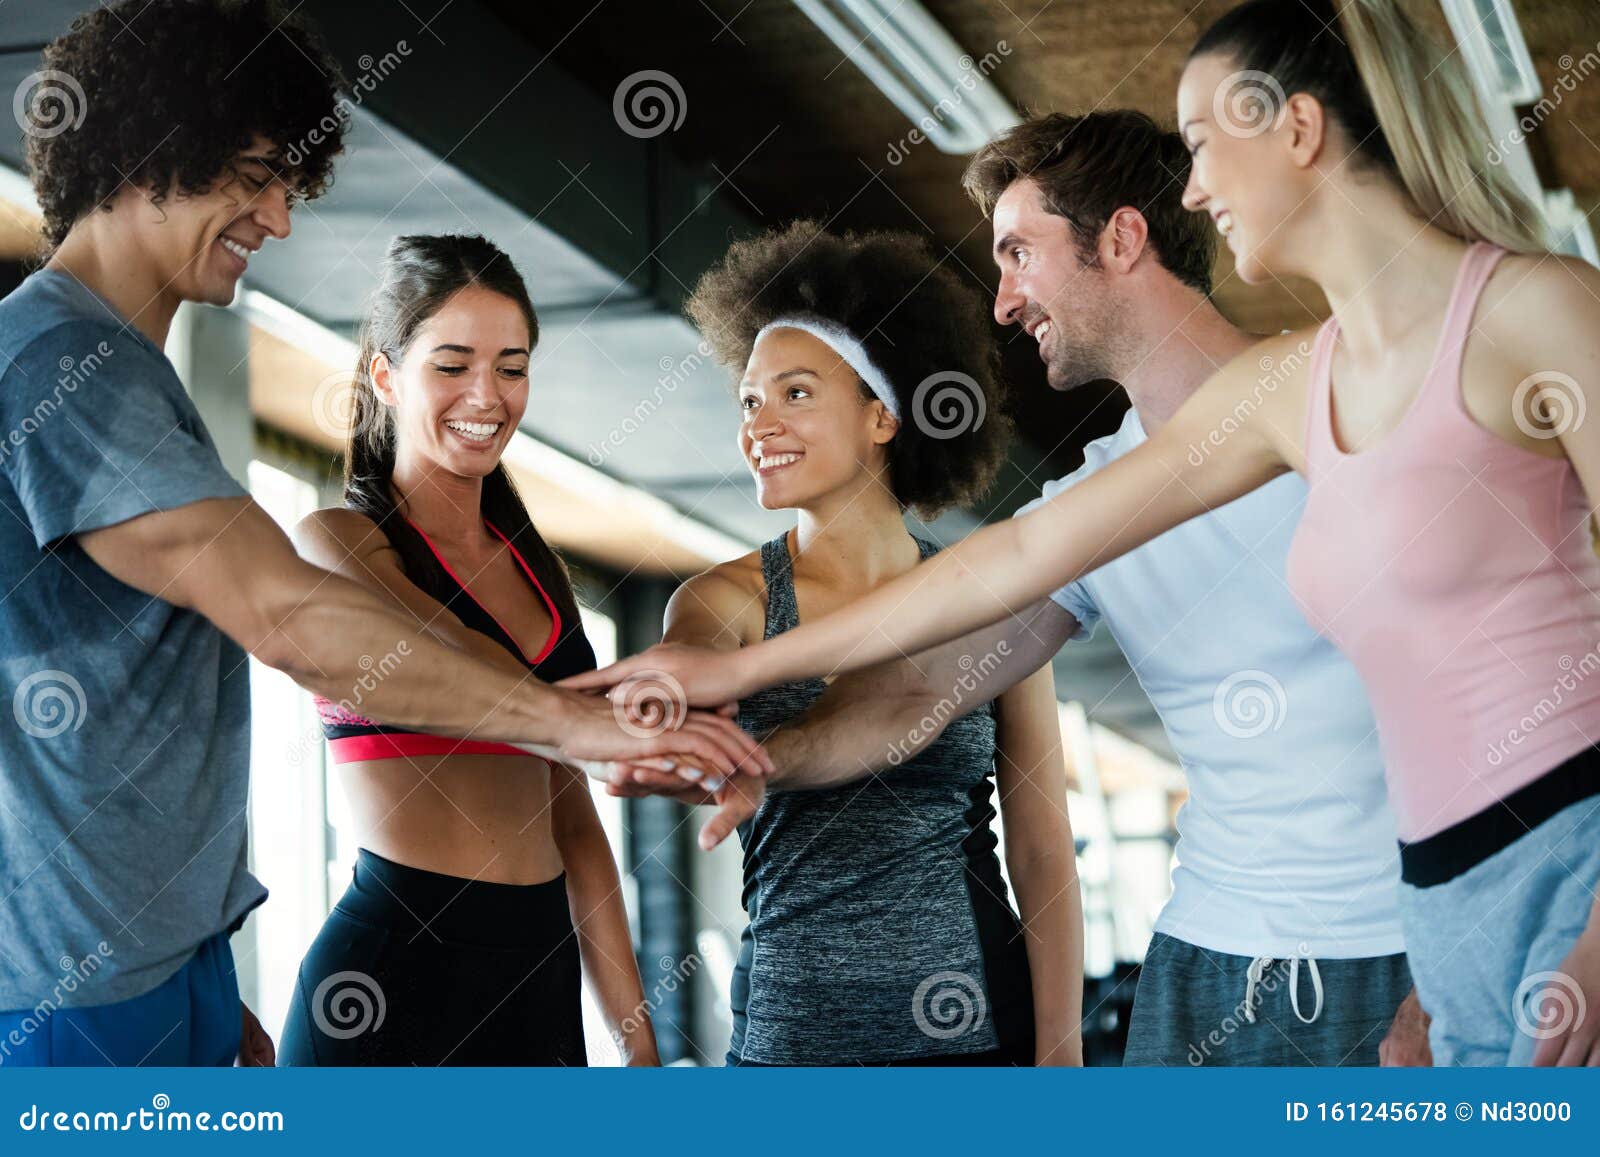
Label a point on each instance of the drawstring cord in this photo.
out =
(1257, 971)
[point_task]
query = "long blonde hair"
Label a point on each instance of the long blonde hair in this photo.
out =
(1408, 105)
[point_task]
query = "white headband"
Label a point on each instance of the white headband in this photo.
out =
(847, 346)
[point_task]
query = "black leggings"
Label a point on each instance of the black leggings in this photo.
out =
(417, 968)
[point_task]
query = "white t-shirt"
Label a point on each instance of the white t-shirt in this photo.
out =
(1286, 846)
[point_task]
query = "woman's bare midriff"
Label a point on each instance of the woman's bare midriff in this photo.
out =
(479, 817)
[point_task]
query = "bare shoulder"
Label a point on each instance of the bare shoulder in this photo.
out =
(1544, 309)
(331, 536)
(725, 603)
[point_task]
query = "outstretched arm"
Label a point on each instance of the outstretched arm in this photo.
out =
(883, 716)
(872, 719)
(226, 559)
(1213, 451)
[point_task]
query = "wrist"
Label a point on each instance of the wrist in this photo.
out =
(544, 714)
(638, 1049)
(783, 747)
(746, 670)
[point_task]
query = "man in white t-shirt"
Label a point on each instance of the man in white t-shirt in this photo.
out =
(1281, 943)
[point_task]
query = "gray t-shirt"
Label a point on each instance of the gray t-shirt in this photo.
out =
(125, 722)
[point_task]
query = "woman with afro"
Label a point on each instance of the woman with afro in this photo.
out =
(880, 931)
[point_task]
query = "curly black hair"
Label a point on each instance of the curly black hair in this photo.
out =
(172, 92)
(925, 329)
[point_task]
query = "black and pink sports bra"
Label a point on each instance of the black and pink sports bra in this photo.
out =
(352, 737)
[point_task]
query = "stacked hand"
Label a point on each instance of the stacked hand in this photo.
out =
(736, 797)
(647, 700)
(701, 676)
(598, 734)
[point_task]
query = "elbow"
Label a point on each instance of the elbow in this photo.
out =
(1028, 860)
(282, 631)
(268, 637)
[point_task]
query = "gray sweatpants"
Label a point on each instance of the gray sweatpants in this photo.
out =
(1488, 945)
(1196, 1007)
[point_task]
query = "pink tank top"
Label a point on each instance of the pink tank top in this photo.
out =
(1457, 572)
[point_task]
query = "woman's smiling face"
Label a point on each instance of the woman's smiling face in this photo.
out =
(1243, 174)
(804, 428)
(461, 386)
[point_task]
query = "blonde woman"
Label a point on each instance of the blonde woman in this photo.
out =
(880, 929)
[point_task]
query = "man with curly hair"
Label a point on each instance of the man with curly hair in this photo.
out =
(137, 573)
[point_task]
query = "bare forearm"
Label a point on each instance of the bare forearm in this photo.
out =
(594, 893)
(351, 645)
(1051, 907)
(1003, 568)
(881, 717)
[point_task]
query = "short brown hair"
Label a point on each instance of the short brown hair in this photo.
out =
(1087, 167)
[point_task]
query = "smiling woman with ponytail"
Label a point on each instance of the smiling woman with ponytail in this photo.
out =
(1406, 106)
(484, 886)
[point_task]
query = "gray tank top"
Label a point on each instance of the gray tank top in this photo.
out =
(879, 925)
